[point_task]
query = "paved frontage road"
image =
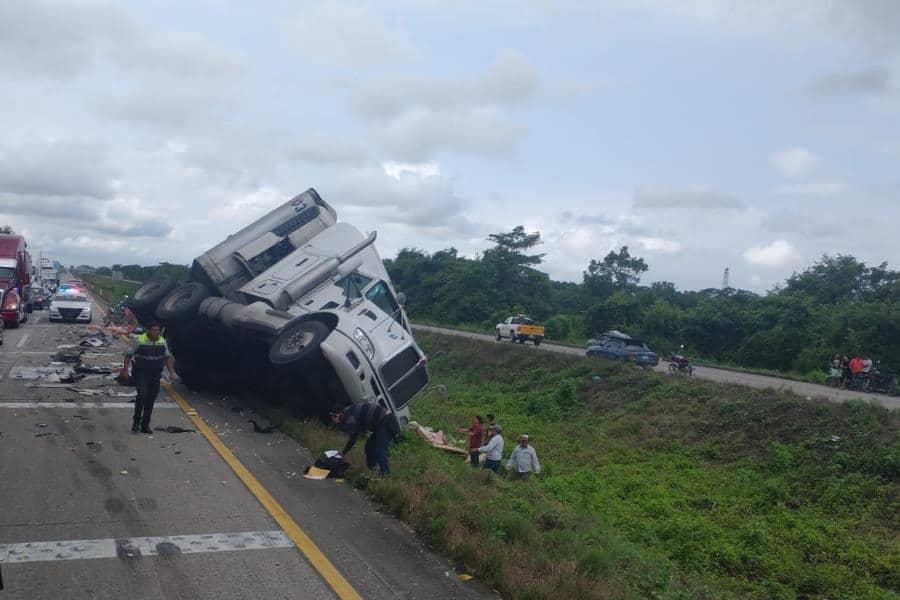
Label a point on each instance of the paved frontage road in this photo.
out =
(810, 390)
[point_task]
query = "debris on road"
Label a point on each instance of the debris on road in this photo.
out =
(262, 429)
(174, 429)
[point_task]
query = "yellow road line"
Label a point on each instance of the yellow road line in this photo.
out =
(304, 544)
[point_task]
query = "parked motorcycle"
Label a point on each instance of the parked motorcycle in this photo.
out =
(880, 383)
(679, 364)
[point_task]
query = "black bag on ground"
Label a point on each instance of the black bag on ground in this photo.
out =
(336, 467)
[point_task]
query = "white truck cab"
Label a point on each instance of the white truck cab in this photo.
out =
(309, 288)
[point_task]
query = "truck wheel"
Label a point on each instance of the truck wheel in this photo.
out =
(182, 302)
(297, 341)
(537, 341)
(499, 337)
(512, 337)
(147, 296)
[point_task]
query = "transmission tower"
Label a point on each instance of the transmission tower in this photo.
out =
(725, 279)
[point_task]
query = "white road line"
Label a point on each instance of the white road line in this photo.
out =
(36, 320)
(23, 341)
(80, 405)
(134, 548)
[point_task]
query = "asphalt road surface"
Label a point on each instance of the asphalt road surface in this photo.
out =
(89, 509)
(719, 375)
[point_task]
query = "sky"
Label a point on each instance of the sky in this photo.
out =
(703, 134)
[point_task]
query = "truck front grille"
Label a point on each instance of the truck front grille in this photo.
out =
(403, 392)
(69, 313)
(395, 369)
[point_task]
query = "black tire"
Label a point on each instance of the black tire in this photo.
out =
(499, 337)
(537, 341)
(182, 302)
(512, 338)
(148, 296)
(297, 342)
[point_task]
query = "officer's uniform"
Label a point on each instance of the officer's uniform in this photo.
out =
(148, 357)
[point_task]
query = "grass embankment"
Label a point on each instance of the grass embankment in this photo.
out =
(652, 486)
(110, 290)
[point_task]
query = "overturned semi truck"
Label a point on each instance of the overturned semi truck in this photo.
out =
(295, 307)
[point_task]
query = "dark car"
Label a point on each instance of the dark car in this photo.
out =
(619, 346)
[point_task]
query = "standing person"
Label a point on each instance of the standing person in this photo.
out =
(524, 460)
(476, 435)
(493, 450)
(487, 428)
(363, 417)
(150, 354)
(866, 365)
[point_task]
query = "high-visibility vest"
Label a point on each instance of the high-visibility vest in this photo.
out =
(150, 355)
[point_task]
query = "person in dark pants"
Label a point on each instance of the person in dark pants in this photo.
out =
(476, 436)
(149, 355)
(363, 417)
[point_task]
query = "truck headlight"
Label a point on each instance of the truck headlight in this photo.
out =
(364, 342)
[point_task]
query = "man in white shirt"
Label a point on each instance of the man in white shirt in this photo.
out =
(493, 450)
(524, 460)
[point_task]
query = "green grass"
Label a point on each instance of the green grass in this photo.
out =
(653, 487)
(109, 290)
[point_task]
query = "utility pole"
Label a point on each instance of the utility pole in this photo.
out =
(726, 276)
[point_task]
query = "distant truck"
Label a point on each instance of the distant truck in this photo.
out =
(15, 279)
(49, 273)
(520, 328)
(296, 307)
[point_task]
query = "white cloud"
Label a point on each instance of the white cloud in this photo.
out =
(510, 81)
(326, 150)
(245, 206)
(815, 188)
(794, 162)
(352, 35)
(692, 197)
(415, 118)
(777, 254)
(660, 245)
(399, 170)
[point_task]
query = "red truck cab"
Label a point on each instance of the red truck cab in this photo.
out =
(15, 279)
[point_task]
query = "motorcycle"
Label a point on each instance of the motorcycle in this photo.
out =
(680, 364)
(881, 383)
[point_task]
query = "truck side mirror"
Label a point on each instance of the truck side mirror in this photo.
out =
(401, 298)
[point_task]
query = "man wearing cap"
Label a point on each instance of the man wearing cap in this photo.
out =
(523, 460)
(493, 450)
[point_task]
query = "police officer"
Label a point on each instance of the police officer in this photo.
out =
(359, 418)
(150, 354)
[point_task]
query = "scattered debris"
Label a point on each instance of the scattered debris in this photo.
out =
(85, 369)
(260, 429)
(123, 472)
(174, 429)
(92, 343)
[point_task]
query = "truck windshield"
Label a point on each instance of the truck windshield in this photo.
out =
(353, 284)
(381, 296)
(7, 273)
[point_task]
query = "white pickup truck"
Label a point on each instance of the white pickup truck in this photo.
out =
(520, 328)
(297, 307)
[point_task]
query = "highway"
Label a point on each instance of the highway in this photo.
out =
(809, 390)
(91, 510)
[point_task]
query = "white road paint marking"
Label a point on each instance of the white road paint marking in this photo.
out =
(36, 320)
(133, 548)
(81, 405)
(23, 341)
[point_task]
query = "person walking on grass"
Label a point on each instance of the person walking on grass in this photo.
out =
(524, 460)
(150, 354)
(493, 450)
(476, 433)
